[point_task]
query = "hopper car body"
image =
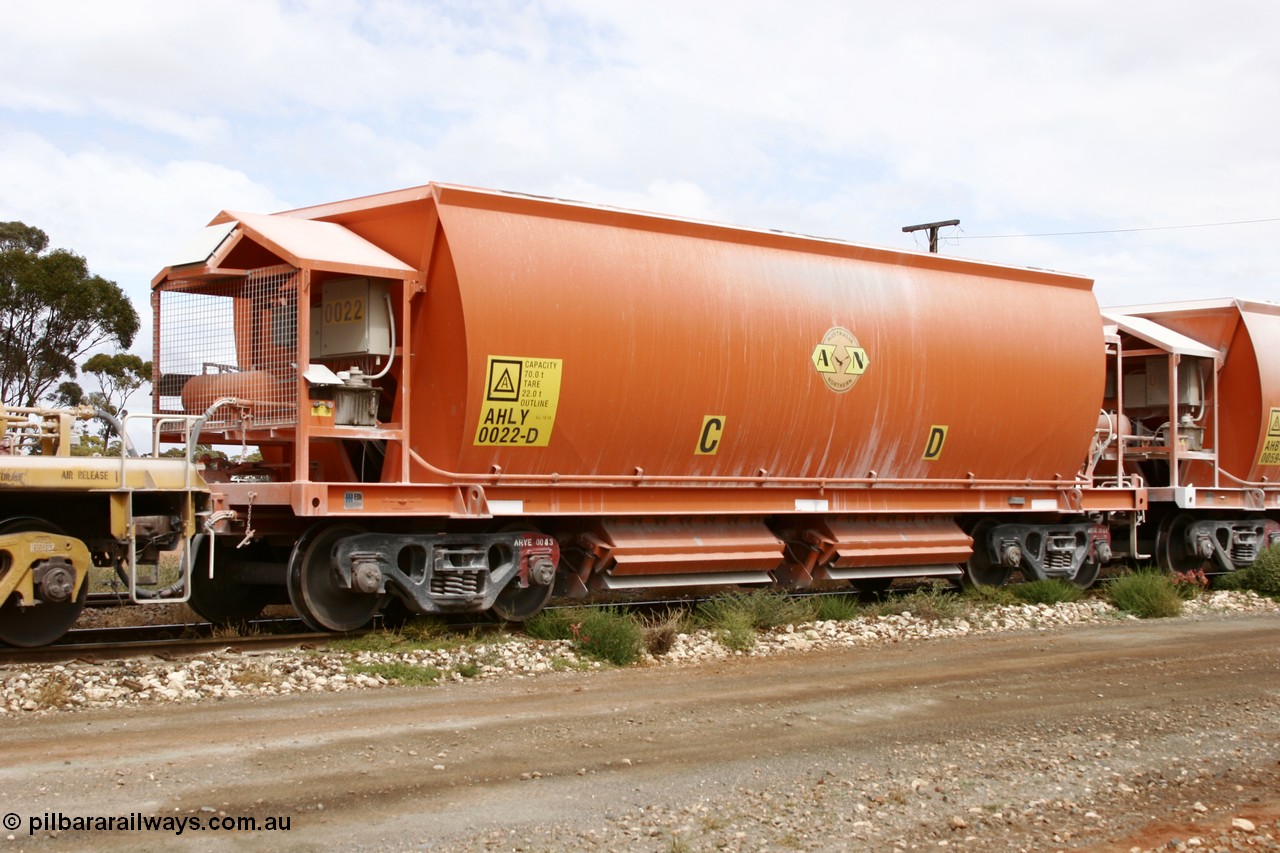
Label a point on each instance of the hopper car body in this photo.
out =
(467, 400)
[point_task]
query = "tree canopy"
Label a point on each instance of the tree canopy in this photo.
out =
(118, 377)
(52, 312)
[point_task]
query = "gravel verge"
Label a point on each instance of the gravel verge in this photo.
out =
(227, 673)
(935, 745)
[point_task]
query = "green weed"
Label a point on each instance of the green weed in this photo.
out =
(1049, 591)
(760, 608)
(734, 630)
(836, 608)
(1145, 594)
(399, 672)
(984, 594)
(417, 633)
(604, 633)
(1263, 576)
(554, 624)
(935, 602)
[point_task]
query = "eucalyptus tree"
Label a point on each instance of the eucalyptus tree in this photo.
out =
(53, 311)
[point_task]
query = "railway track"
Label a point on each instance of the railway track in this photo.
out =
(178, 639)
(100, 644)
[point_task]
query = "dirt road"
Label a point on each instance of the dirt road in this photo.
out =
(1100, 737)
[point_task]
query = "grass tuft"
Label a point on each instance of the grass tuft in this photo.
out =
(426, 630)
(840, 607)
(255, 675)
(1050, 591)
(553, 624)
(734, 630)
(55, 692)
(995, 596)
(415, 634)
(760, 608)
(374, 641)
(735, 617)
(469, 670)
(660, 631)
(399, 672)
(935, 602)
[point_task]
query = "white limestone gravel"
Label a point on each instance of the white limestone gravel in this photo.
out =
(49, 688)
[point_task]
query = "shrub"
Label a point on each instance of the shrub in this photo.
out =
(1190, 585)
(1233, 581)
(1145, 594)
(605, 633)
(734, 630)
(609, 635)
(1263, 576)
(1049, 591)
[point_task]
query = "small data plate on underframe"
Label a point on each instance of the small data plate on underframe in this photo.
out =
(353, 500)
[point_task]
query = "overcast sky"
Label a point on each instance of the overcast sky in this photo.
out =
(126, 125)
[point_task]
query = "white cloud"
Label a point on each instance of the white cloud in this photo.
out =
(124, 215)
(820, 116)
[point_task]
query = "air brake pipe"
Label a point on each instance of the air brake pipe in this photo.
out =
(126, 446)
(202, 420)
(820, 482)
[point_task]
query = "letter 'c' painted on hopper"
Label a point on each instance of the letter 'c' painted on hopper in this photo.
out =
(933, 446)
(709, 438)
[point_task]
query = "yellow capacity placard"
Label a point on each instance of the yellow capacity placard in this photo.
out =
(1271, 445)
(520, 399)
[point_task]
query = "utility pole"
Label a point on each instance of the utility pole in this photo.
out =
(932, 228)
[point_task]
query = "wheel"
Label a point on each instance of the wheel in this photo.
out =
(1087, 574)
(871, 589)
(219, 600)
(516, 603)
(313, 583)
(38, 624)
(1172, 553)
(979, 570)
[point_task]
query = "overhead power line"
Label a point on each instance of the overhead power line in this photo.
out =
(1111, 230)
